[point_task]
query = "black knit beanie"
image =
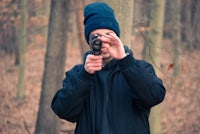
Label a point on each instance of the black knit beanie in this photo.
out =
(99, 15)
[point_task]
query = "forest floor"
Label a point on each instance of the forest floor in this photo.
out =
(180, 109)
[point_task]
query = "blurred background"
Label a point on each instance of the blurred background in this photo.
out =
(41, 39)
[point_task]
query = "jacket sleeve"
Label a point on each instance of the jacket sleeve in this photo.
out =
(147, 89)
(69, 100)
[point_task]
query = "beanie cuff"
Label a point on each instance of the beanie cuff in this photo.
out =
(101, 23)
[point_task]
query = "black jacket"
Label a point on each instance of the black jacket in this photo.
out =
(115, 100)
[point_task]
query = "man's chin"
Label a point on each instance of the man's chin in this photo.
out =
(107, 58)
(105, 55)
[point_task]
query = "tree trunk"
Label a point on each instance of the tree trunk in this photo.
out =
(22, 46)
(46, 5)
(176, 19)
(195, 23)
(186, 20)
(152, 54)
(124, 14)
(79, 17)
(47, 121)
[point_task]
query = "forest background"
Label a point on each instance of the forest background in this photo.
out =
(25, 37)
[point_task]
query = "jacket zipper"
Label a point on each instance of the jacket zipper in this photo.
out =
(108, 114)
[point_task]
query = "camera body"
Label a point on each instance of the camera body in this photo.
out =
(95, 44)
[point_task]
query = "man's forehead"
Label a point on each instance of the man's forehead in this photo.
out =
(101, 31)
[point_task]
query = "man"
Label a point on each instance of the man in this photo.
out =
(110, 93)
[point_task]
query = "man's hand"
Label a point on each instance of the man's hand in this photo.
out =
(114, 45)
(93, 63)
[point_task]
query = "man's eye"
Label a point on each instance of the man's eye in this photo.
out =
(109, 33)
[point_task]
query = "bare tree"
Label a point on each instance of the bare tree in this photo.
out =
(176, 38)
(22, 45)
(152, 52)
(195, 9)
(47, 122)
(80, 27)
(124, 14)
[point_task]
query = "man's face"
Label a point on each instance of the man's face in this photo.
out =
(104, 51)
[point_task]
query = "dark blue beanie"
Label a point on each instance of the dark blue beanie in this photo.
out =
(99, 15)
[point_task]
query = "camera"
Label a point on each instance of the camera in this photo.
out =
(95, 44)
